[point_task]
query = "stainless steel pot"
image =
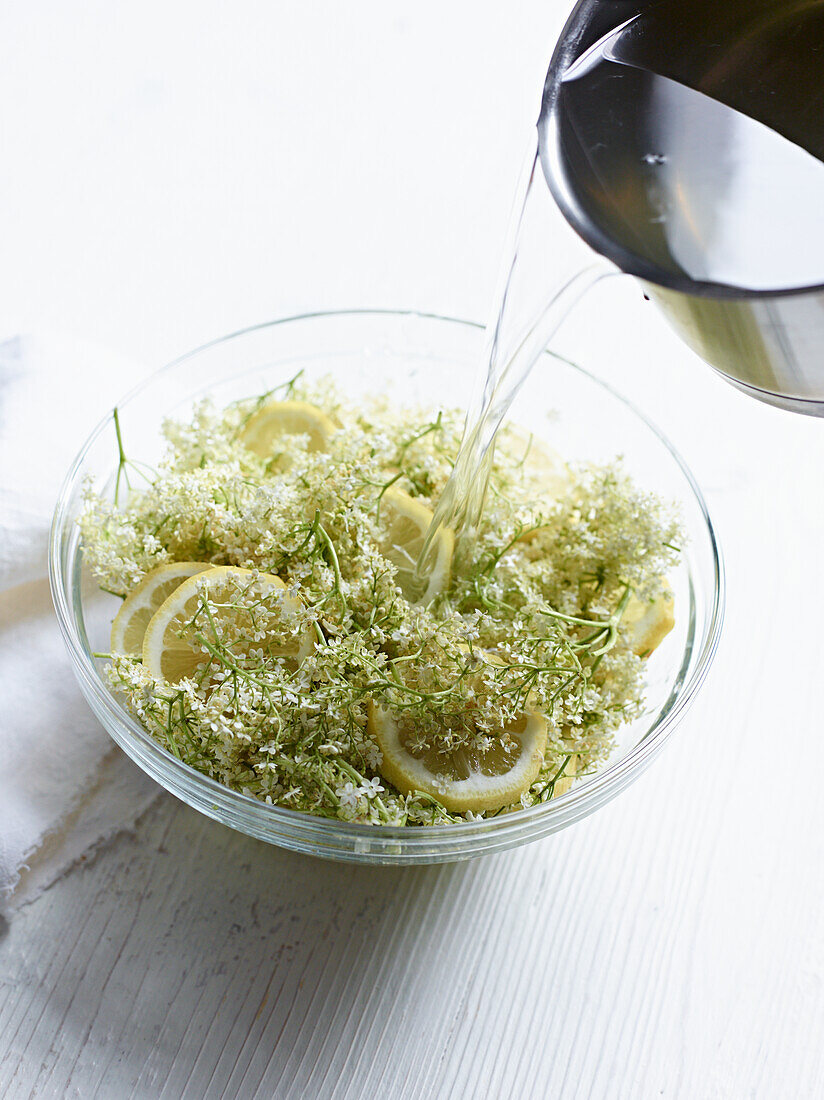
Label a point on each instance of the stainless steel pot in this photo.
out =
(767, 342)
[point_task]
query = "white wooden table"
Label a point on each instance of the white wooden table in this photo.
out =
(182, 169)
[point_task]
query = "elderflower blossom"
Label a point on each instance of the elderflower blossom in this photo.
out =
(556, 543)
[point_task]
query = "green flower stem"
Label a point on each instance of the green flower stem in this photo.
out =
(333, 559)
(121, 457)
(355, 775)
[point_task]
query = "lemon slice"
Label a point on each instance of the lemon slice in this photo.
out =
(266, 430)
(462, 781)
(649, 621)
(172, 651)
(543, 462)
(404, 522)
(130, 623)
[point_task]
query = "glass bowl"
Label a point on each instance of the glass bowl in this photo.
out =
(418, 359)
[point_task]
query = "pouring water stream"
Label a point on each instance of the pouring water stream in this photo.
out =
(694, 161)
(513, 345)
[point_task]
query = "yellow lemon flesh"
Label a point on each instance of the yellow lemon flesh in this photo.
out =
(649, 621)
(173, 644)
(267, 431)
(404, 522)
(462, 780)
(129, 626)
(543, 463)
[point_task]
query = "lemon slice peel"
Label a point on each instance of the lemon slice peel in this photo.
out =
(275, 421)
(174, 644)
(403, 523)
(480, 790)
(649, 621)
(132, 619)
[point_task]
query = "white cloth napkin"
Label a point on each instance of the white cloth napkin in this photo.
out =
(64, 787)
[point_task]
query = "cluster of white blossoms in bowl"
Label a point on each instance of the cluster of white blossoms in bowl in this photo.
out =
(275, 637)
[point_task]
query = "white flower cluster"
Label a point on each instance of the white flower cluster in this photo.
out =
(522, 620)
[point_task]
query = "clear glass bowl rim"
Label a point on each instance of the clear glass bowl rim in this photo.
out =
(328, 837)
